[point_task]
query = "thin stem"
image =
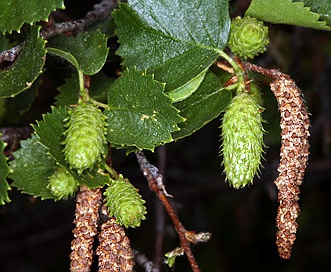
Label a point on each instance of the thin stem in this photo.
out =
(99, 104)
(272, 73)
(159, 211)
(99, 13)
(238, 71)
(111, 172)
(151, 175)
(82, 90)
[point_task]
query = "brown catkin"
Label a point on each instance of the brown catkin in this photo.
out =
(86, 220)
(294, 153)
(114, 249)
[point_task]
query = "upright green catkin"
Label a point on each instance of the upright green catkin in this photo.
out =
(85, 137)
(125, 203)
(242, 135)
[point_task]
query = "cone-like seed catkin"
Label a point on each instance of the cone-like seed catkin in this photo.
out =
(242, 135)
(86, 221)
(125, 203)
(62, 184)
(248, 37)
(293, 160)
(114, 249)
(85, 137)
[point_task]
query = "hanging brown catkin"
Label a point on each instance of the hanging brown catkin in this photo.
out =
(86, 221)
(293, 159)
(114, 249)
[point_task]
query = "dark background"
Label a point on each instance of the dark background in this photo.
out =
(35, 235)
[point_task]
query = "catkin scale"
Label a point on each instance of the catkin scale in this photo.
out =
(242, 135)
(85, 136)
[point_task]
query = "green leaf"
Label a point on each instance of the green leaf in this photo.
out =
(106, 26)
(51, 131)
(31, 168)
(140, 114)
(99, 87)
(92, 178)
(4, 171)
(15, 13)
(68, 92)
(17, 106)
(187, 89)
(4, 42)
(63, 54)
(285, 12)
(322, 7)
(175, 40)
(26, 68)
(202, 106)
(89, 49)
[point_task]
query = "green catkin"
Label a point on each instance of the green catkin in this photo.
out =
(85, 137)
(62, 184)
(242, 135)
(125, 203)
(248, 37)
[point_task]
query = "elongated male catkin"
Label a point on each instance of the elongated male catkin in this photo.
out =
(114, 249)
(293, 159)
(242, 135)
(86, 221)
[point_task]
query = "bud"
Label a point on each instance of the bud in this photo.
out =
(248, 37)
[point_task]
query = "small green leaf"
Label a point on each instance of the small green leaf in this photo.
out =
(4, 171)
(63, 54)
(140, 114)
(15, 13)
(175, 40)
(202, 106)
(51, 130)
(26, 68)
(31, 168)
(68, 92)
(172, 255)
(285, 12)
(187, 89)
(89, 49)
